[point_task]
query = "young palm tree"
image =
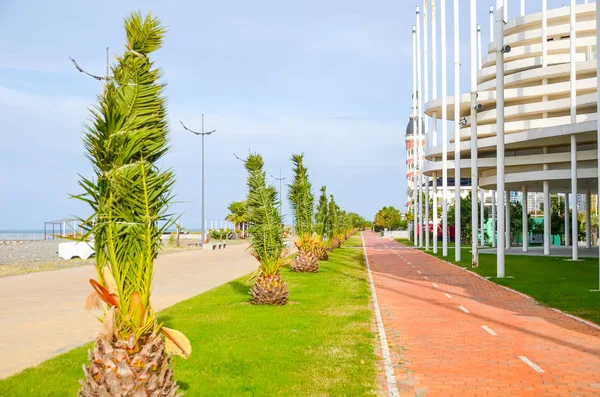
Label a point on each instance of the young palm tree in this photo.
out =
(321, 219)
(130, 197)
(266, 236)
(332, 224)
(302, 201)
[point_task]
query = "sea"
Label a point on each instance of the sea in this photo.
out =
(23, 235)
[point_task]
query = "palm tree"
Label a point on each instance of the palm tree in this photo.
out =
(130, 196)
(266, 236)
(321, 218)
(333, 224)
(238, 214)
(302, 201)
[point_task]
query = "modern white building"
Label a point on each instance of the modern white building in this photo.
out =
(545, 122)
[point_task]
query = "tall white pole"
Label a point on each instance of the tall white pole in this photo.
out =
(444, 133)
(547, 211)
(457, 233)
(500, 134)
(573, 79)
(420, 129)
(415, 126)
(525, 220)
(479, 60)
(588, 219)
(494, 219)
(474, 160)
(482, 215)
(435, 122)
(426, 99)
(546, 183)
(598, 122)
(522, 8)
(508, 214)
(567, 222)
(492, 26)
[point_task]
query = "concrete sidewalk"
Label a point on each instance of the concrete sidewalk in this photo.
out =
(451, 333)
(42, 313)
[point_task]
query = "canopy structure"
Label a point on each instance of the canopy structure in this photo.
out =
(67, 227)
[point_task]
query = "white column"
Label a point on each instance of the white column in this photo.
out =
(479, 59)
(525, 220)
(544, 33)
(444, 133)
(508, 242)
(434, 131)
(482, 215)
(500, 134)
(474, 160)
(567, 223)
(456, 132)
(426, 127)
(420, 129)
(492, 27)
(588, 219)
(547, 211)
(494, 219)
(415, 126)
(573, 80)
(522, 8)
(598, 122)
(546, 183)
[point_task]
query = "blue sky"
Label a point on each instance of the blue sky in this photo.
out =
(332, 79)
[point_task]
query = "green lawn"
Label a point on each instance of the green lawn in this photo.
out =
(320, 344)
(554, 281)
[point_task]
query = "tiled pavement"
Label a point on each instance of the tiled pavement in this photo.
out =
(434, 315)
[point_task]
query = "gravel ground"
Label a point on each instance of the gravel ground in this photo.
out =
(30, 252)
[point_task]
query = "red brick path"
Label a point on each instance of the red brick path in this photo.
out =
(439, 350)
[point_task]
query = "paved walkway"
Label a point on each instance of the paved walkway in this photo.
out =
(451, 333)
(42, 314)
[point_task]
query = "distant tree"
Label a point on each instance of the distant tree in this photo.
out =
(387, 218)
(238, 213)
(465, 217)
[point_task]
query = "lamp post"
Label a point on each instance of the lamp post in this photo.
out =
(280, 179)
(202, 134)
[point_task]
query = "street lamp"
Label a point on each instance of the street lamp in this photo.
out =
(280, 198)
(202, 134)
(99, 78)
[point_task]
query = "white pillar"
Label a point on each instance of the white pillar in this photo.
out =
(598, 122)
(479, 59)
(500, 134)
(525, 220)
(588, 219)
(567, 223)
(426, 127)
(494, 219)
(444, 133)
(482, 215)
(492, 27)
(474, 160)
(544, 33)
(456, 132)
(547, 212)
(415, 126)
(435, 215)
(420, 120)
(573, 79)
(434, 131)
(508, 242)
(522, 8)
